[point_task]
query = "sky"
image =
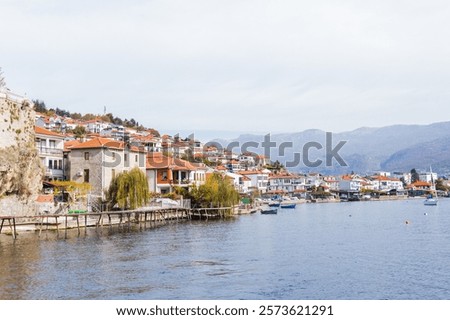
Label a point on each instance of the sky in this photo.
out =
(233, 65)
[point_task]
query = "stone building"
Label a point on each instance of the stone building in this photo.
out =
(99, 160)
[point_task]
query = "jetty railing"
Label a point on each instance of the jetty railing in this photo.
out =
(78, 220)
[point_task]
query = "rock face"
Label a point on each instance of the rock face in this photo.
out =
(21, 170)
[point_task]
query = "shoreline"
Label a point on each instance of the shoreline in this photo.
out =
(142, 219)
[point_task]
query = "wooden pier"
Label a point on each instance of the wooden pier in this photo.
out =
(127, 218)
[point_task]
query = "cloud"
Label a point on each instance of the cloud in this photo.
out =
(240, 65)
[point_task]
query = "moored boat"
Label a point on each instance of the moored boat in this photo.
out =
(269, 211)
(274, 204)
(430, 201)
(287, 205)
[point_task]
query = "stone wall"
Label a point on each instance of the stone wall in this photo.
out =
(21, 170)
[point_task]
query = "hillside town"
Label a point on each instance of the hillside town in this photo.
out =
(94, 151)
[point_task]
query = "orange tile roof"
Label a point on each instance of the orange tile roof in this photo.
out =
(104, 143)
(156, 160)
(249, 172)
(44, 198)
(40, 130)
(421, 184)
(383, 178)
(70, 144)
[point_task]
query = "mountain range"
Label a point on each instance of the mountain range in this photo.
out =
(364, 150)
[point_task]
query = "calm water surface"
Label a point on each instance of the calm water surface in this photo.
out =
(359, 250)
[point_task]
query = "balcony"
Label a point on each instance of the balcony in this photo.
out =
(50, 151)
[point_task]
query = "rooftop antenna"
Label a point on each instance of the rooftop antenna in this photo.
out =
(2, 79)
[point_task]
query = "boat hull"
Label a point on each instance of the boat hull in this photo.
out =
(430, 202)
(269, 211)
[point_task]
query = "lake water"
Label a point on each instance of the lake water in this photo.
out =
(358, 250)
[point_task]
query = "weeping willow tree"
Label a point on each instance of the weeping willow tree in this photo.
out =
(128, 190)
(216, 192)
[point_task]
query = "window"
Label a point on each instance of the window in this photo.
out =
(52, 144)
(164, 175)
(60, 164)
(86, 156)
(50, 164)
(125, 157)
(86, 175)
(136, 158)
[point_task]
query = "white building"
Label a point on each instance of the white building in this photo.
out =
(385, 183)
(350, 183)
(50, 146)
(288, 183)
(259, 179)
(428, 177)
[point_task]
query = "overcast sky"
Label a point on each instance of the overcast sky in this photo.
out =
(245, 65)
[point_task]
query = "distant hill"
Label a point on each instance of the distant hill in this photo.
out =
(435, 153)
(398, 147)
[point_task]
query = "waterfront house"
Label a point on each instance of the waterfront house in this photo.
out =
(241, 183)
(164, 173)
(286, 183)
(386, 183)
(99, 160)
(50, 146)
(351, 183)
(331, 183)
(259, 179)
(419, 188)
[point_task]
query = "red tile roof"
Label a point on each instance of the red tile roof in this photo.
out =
(40, 130)
(156, 160)
(68, 145)
(104, 143)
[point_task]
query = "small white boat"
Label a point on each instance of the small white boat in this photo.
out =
(430, 201)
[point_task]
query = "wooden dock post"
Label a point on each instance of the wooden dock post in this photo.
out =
(57, 224)
(65, 228)
(1, 226)
(78, 224)
(40, 227)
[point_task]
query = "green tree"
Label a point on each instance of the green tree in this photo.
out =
(128, 190)
(39, 106)
(414, 176)
(88, 116)
(215, 193)
(75, 116)
(440, 185)
(79, 132)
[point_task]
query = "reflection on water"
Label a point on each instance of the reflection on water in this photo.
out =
(317, 251)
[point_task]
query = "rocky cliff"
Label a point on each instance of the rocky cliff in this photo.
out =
(21, 170)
